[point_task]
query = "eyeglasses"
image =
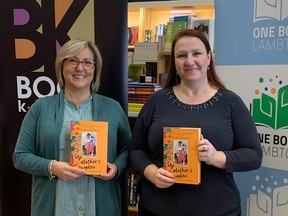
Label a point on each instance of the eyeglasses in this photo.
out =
(87, 64)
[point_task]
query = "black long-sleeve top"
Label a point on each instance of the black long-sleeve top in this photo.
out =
(226, 122)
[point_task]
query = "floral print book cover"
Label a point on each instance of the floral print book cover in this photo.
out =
(181, 155)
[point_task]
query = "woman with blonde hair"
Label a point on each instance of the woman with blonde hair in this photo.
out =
(43, 144)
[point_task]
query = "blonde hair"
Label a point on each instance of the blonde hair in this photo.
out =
(70, 49)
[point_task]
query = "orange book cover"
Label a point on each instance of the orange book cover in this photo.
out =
(181, 154)
(89, 142)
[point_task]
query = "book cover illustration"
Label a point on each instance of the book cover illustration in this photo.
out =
(180, 154)
(88, 146)
(132, 35)
(206, 26)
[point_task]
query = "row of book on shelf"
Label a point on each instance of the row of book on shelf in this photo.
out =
(206, 26)
(143, 60)
(133, 189)
(148, 51)
(138, 94)
(164, 34)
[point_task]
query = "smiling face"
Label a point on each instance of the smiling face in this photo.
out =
(78, 78)
(191, 60)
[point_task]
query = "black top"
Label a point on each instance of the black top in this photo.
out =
(226, 122)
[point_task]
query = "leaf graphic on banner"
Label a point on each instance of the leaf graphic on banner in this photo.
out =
(264, 110)
(280, 196)
(282, 109)
(264, 202)
(280, 201)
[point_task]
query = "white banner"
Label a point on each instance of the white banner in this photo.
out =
(251, 54)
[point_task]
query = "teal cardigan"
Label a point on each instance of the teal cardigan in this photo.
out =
(38, 143)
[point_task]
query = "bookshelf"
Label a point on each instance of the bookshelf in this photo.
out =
(147, 15)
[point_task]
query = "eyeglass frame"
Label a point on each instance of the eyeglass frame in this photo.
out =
(78, 62)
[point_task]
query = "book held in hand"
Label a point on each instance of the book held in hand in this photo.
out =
(180, 154)
(88, 146)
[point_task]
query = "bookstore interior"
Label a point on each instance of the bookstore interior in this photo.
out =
(151, 28)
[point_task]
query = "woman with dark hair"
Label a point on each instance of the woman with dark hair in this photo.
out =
(194, 96)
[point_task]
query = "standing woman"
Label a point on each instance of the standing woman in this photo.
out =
(194, 97)
(42, 148)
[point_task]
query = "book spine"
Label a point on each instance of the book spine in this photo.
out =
(133, 190)
(137, 100)
(151, 70)
(147, 89)
(140, 92)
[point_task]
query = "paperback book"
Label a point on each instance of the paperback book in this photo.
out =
(88, 142)
(188, 19)
(172, 29)
(180, 154)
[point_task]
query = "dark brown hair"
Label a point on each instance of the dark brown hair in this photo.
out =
(213, 78)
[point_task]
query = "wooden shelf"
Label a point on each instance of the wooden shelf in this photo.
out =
(162, 64)
(133, 211)
(133, 208)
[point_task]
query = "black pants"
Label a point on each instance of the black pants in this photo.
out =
(142, 211)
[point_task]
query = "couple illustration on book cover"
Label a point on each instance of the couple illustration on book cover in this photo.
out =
(180, 154)
(89, 145)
